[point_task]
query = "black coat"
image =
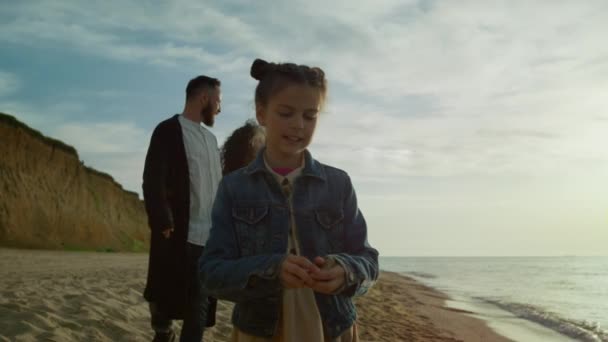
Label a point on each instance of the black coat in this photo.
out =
(166, 187)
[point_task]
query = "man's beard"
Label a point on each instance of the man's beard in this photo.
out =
(207, 115)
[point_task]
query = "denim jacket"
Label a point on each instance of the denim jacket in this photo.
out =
(248, 243)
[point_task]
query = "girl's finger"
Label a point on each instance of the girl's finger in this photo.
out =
(304, 263)
(319, 261)
(290, 281)
(326, 287)
(329, 274)
(323, 276)
(299, 272)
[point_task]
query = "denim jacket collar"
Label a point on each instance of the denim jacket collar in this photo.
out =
(311, 166)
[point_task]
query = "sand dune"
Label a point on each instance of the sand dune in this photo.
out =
(80, 296)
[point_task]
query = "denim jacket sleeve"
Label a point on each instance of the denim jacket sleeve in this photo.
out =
(224, 273)
(360, 260)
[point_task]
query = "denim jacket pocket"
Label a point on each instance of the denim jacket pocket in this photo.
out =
(332, 227)
(251, 228)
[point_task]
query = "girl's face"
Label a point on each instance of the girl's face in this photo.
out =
(290, 118)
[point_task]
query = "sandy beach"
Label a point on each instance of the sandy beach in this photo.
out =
(82, 296)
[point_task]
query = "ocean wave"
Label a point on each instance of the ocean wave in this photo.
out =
(422, 275)
(580, 330)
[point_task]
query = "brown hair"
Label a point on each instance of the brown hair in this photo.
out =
(274, 77)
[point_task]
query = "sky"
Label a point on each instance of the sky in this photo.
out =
(469, 128)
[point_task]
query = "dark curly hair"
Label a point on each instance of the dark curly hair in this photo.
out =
(238, 149)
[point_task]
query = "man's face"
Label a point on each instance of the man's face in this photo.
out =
(212, 105)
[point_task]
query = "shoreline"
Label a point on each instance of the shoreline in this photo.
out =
(418, 313)
(508, 324)
(76, 296)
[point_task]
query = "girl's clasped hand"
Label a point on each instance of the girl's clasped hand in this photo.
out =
(324, 275)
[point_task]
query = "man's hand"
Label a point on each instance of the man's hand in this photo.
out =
(296, 272)
(329, 278)
(167, 232)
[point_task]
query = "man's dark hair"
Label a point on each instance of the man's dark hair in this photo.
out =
(199, 83)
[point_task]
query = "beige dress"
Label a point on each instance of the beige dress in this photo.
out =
(300, 320)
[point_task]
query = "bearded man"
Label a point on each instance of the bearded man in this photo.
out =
(181, 175)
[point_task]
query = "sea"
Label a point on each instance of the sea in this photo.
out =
(522, 298)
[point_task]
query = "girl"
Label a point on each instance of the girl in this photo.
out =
(241, 147)
(288, 243)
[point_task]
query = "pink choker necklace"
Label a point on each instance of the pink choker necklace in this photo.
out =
(283, 171)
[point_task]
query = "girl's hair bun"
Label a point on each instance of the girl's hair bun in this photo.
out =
(260, 68)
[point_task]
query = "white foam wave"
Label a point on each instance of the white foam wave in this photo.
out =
(421, 275)
(580, 330)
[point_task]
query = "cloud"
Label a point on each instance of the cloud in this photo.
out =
(439, 111)
(9, 83)
(460, 87)
(125, 167)
(42, 117)
(114, 147)
(125, 35)
(516, 133)
(461, 55)
(117, 148)
(104, 137)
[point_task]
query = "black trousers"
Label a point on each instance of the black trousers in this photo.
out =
(199, 305)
